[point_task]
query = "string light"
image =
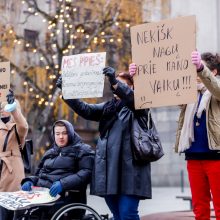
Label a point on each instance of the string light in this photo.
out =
(31, 89)
(25, 83)
(37, 96)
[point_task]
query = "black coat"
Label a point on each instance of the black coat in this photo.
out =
(115, 171)
(71, 165)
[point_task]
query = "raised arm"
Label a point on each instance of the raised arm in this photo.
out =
(88, 111)
(14, 108)
(122, 90)
(208, 78)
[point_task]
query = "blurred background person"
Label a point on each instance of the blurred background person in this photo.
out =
(11, 164)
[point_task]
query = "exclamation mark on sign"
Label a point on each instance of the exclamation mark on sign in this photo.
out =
(186, 82)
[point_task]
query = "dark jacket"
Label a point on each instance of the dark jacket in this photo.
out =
(71, 165)
(115, 171)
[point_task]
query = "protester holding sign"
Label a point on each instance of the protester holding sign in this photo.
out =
(11, 164)
(67, 165)
(117, 178)
(198, 135)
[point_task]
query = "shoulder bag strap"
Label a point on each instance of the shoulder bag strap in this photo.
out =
(4, 149)
(18, 139)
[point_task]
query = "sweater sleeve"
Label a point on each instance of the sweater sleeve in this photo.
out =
(211, 82)
(21, 124)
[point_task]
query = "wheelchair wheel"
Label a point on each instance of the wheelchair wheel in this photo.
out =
(89, 212)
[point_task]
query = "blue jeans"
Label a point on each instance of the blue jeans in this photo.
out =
(123, 207)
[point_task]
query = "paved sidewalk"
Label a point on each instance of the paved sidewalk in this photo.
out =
(181, 215)
(164, 200)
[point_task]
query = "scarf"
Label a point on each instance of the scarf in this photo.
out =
(110, 115)
(187, 132)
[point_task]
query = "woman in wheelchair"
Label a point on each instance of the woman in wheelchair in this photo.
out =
(66, 166)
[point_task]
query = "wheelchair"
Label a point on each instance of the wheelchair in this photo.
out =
(72, 211)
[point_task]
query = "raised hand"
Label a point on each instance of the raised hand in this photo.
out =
(132, 69)
(196, 60)
(10, 97)
(110, 73)
(59, 82)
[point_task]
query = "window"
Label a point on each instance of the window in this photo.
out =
(30, 38)
(87, 14)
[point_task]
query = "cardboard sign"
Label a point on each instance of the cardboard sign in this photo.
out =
(82, 75)
(23, 199)
(162, 51)
(4, 80)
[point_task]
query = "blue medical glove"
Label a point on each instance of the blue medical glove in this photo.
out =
(110, 73)
(27, 186)
(56, 188)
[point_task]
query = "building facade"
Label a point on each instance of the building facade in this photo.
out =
(171, 169)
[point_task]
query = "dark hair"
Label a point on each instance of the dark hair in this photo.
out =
(126, 77)
(59, 124)
(212, 61)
